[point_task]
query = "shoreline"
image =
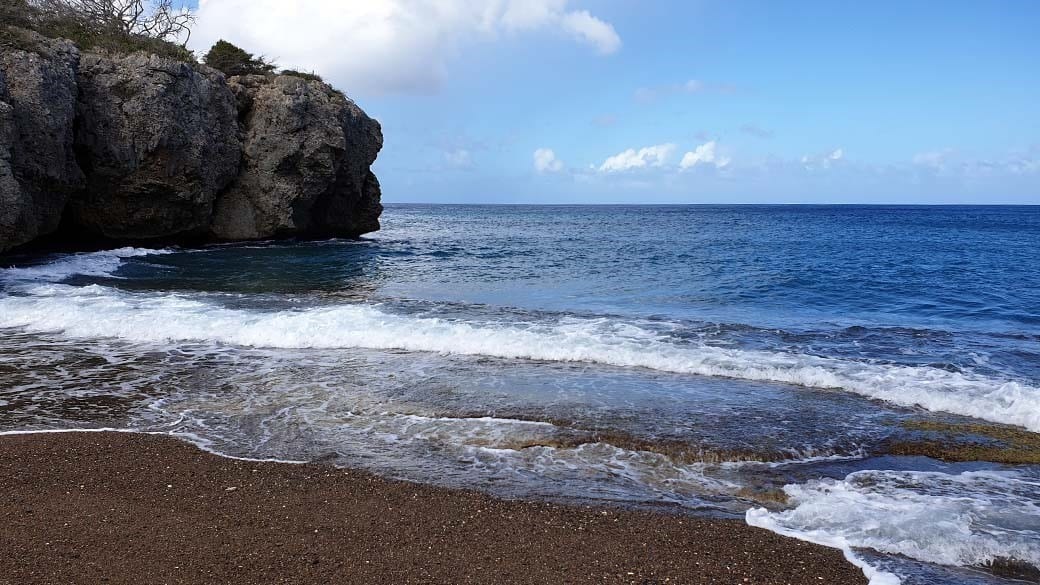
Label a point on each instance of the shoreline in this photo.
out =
(126, 507)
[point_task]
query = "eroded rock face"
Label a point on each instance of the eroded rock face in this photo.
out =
(138, 147)
(38, 169)
(158, 140)
(307, 150)
(11, 200)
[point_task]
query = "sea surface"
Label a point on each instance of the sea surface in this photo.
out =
(744, 361)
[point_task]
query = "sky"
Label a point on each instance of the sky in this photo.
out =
(660, 101)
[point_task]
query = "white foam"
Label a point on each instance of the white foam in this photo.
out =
(96, 312)
(968, 520)
(103, 263)
(760, 518)
(60, 431)
(40, 304)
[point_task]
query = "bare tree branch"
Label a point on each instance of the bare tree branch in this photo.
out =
(159, 19)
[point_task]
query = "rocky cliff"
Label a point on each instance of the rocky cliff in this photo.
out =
(138, 148)
(38, 170)
(306, 153)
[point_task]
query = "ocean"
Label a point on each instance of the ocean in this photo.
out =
(758, 362)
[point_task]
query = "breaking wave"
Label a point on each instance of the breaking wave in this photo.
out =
(38, 302)
(971, 519)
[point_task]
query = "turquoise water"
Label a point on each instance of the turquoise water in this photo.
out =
(698, 358)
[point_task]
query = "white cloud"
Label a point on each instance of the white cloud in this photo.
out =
(649, 156)
(936, 159)
(592, 30)
(824, 160)
(949, 162)
(1023, 166)
(521, 15)
(703, 154)
(545, 161)
(384, 46)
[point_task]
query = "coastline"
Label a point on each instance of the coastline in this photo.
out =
(128, 508)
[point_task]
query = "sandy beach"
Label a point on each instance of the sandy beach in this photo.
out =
(130, 508)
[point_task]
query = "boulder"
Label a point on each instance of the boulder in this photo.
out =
(38, 169)
(158, 140)
(307, 152)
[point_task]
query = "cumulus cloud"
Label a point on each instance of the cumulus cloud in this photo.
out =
(592, 30)
(648, 156)
(703, 155)
(545, 161)
(385, 46)
(824, 161)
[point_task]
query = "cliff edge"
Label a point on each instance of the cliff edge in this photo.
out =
(138, 147)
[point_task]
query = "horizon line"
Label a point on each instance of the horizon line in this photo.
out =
(716, 204)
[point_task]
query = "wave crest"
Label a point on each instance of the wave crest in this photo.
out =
(971, 519)
(96, 311)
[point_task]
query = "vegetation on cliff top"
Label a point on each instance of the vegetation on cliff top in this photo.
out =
(119, 26)
(308, 75)
(125, 26)
(232, 60)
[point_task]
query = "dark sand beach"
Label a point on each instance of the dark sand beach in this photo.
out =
(130, 508)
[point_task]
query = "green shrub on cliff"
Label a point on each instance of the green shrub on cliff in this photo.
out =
(309, 76)
(232, 60)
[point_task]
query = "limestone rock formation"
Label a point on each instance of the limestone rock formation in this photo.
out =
(158, 140)
(135, 147)
(307, 150)
(38, 169)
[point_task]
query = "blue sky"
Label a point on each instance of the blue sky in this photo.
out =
(676, 102)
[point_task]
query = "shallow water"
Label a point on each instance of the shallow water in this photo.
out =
(715, 359)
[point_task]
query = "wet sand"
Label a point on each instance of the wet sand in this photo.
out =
(127, 508)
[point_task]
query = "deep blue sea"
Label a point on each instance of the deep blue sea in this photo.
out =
(746, 361)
